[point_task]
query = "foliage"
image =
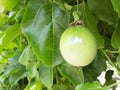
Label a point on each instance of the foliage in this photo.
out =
(30, 31)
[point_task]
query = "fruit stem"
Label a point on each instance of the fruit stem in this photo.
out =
(110, 61)
(111, 51)
(75, 15)
(80, 74)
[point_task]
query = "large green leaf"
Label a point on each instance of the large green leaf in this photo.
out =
(44, 33)
(46, 75)
(91, 23)
(116, 37)
(7, 36)
(116, 5)
(90, 86)
(30, 12)
(104, 12)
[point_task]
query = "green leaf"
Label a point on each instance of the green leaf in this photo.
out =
(15, 70)
(104, 12)
(1, 67)
(16, 75)
(7, 36)
(27, 56)
(30, 12)
(20, 13)
(3, 18)
(91, 23)
(71, 73)
(9, 4)
(93, 70)
(28, 59)
(116, 6)
(59, 87)
(1, 7)
(31, 69)
(46, 75)
(44, 33)
(37, 86)
(116, 37)
(91, 86)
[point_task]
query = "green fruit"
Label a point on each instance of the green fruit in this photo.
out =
(78, 46)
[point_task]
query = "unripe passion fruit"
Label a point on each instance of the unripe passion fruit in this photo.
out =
(78, 46)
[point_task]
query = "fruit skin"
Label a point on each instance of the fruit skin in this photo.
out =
(78, 46)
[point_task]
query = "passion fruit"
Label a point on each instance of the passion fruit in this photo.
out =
(78, 46)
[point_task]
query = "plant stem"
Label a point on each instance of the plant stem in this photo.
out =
(56, 74)
(80, 74)
(114, 84)
(110, 61)
(77, 5)
(111, 51)
(83, 1)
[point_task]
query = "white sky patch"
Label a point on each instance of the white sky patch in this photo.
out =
(1, 39)
(101, 78)
(10, 14)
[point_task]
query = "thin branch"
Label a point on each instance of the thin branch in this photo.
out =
(110, 61)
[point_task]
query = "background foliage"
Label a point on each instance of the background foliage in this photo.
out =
(30, 31)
